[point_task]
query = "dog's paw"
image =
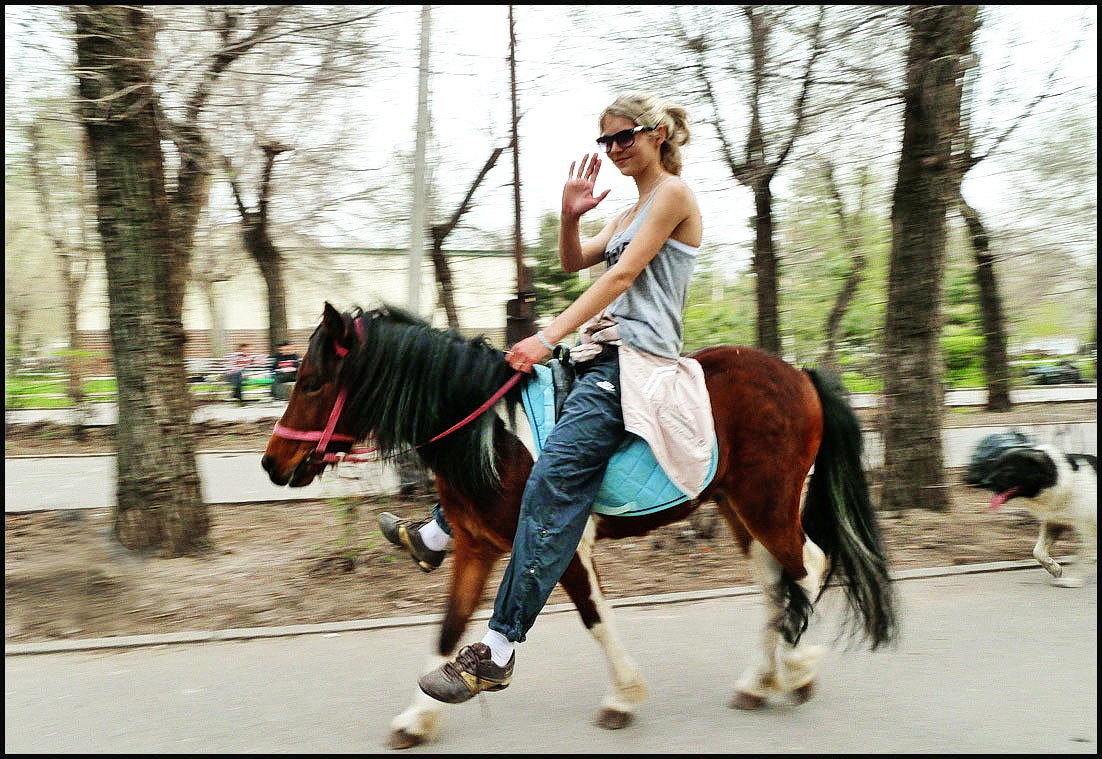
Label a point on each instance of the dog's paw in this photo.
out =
(1067, 582)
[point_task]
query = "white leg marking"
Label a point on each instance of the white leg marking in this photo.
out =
(424, 716)
(780, 667)
(759, 677)
(628, 685)
(797, 665)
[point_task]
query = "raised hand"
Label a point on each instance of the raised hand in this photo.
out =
(577, 194)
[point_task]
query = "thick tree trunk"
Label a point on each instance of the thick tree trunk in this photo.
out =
(996, 362)
(914, 474)
(765, 271)
(158, 503)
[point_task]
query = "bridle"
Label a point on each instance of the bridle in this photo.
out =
(329, 435)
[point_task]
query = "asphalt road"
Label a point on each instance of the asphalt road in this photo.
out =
(989, 663)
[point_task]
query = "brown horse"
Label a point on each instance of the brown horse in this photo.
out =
(385, 375)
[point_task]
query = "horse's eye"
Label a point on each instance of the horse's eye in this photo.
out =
(311, 384)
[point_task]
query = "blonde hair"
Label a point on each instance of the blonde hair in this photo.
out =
(652, 111)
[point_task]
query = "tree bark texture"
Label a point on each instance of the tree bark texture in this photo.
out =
(258, 243)
(159, 503)
(996, 361)
(766, 272)
(914, 474)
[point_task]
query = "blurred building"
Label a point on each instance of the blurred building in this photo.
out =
(484, 280)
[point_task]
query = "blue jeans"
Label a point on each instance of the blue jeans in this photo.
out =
(557, 500)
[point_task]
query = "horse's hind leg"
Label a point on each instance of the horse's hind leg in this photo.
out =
(781, 667)
(583, 586)
(471, 565)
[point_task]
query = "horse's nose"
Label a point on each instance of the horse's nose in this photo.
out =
(268, 462)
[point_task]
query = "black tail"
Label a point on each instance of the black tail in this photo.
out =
(839, 517)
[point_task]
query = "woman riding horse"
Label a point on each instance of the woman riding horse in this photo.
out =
(650, 250)
(392, 377)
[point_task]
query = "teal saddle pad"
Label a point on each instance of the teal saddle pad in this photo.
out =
(634, 483)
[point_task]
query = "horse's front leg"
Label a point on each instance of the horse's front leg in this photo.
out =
(581, 583)
(471, 565)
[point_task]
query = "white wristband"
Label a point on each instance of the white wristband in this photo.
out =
(543, 339)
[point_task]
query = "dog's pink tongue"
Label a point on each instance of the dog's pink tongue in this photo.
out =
(999, 499)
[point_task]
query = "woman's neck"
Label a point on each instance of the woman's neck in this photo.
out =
(648, 180)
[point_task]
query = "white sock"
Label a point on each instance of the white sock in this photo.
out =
(433, 537)
(501, 648)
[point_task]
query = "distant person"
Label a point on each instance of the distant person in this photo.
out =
(237, 362)
(284, 368)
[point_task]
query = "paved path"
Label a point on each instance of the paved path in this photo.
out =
(991, 663)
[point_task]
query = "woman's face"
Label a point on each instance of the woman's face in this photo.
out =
(631, 160)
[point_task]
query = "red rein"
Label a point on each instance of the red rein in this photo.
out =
(324, 437)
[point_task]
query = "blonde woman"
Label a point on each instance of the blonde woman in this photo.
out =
(650, 250)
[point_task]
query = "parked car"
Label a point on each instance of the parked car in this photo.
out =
(1053, 374)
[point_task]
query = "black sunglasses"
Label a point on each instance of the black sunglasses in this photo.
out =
(624, 139)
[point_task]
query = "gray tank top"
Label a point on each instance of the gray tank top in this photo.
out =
(649, 313)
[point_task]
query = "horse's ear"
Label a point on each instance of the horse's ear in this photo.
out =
(334, 324)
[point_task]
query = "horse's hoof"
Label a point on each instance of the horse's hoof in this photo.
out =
(402, 739)
(804, 693)
(611, 719)
(1067, 582)
(746, 701)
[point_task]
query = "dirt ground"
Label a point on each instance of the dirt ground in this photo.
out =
(300, 562)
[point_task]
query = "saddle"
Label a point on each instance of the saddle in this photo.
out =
(635, 483)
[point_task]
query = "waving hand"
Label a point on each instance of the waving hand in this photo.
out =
(577, 194)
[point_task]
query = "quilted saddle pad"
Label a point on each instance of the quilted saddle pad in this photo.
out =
(634, 483)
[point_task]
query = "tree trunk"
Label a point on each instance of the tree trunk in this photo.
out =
(218, 345)
(158, 501)
(264, 252)
(852, 245)
(996, 363)
(258, 243)
(66, 255)
(444, 281)
(914, 474)
(765, 270)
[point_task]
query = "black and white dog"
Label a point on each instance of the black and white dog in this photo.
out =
(1060, 489)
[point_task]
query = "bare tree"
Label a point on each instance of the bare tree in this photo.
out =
(914, 474)
(258, 242)
(440, 233)
(147, 227)
(64, 208)
(766, 147)
(967, 154)
(849, 230)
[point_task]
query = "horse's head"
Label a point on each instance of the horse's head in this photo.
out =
(311, 428)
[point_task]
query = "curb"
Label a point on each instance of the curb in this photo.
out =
(335, 628)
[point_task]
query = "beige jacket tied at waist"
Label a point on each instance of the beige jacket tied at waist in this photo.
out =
(665, 402)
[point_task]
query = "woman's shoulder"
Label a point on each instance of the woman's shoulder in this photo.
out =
(675, 191)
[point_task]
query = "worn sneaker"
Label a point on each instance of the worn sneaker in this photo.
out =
(470, 672)
(405, 533)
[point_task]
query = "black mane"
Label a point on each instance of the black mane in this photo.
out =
(409, 381)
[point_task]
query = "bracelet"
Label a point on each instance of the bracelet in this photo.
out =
(543, 339)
